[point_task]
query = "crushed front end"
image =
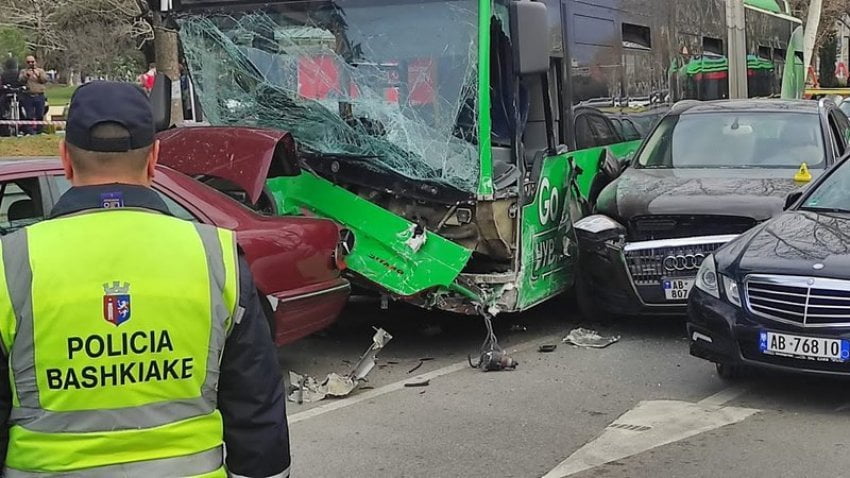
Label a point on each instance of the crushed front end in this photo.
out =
(386, 117)
(631, 274)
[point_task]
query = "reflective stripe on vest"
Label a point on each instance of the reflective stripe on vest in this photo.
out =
(182, 423)
(181, 466)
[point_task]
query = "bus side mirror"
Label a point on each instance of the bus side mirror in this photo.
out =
(529, 37)
(161, 102)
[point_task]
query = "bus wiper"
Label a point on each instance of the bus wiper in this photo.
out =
(338, 156)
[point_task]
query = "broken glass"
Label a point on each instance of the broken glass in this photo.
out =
(391, 85)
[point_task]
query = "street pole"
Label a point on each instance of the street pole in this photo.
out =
(165, 48)
(811, 33)
(737, 54)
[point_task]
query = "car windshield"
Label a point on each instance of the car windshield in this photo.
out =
(735, 140)
(347, 82)
(833, 194)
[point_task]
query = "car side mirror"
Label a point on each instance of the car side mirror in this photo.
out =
(792, 199)
(529, 37)
(161, 102)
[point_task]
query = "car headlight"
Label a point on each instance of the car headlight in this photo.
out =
(707, 277)
(733, 293)
(599, 227)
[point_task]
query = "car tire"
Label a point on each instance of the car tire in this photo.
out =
(588, 307)
(729, 372)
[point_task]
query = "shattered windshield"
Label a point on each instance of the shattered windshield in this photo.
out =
(391, 85)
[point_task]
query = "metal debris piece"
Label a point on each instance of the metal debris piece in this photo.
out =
(417, 238)
(417, 383)
(306, 389)
(545, 348)
(492, 357)
(336, 385)
(589, 338)
(416, 367)
(367, 360)
(496, 360)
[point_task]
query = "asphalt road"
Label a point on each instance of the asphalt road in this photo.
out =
(640, 408)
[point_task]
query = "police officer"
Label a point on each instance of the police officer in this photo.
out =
(136, 342)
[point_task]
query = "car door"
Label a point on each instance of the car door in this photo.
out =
(596, 137)
(841, 129)
(24, 200)
(585, 138)
(604, 132)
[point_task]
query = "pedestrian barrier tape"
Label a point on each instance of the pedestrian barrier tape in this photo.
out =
(31, 122)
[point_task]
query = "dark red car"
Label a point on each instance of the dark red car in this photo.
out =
(295, 261)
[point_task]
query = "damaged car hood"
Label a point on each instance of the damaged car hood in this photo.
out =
(791, 244)
(244, 156)
(755, 193)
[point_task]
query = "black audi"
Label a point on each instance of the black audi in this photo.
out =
(707, 173)
(779, 295)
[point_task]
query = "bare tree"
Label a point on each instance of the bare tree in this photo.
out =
(92, 35)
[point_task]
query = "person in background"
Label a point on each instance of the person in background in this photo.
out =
(147, 78)
(185, 92)
(34, 101)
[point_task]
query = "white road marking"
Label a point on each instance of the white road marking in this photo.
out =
(396, 386)
(652, 424)
(722, 397)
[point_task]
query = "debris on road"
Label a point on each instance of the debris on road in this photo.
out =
(494, 361)
(417, 383)
(519, 328)
(367, 361)
(421, 361)
(492, 358)
(589, 338)
(547, 348)
(306, 389)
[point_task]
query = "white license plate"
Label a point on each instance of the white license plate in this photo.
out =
(809, 348)
(677, 289)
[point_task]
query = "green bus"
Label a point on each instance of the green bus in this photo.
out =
(457, 140)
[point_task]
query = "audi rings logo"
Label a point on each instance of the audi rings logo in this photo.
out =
(683, 262)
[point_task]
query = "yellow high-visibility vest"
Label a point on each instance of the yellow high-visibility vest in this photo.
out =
(114, 323)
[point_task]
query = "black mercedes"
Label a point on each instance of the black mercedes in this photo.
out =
(779, 295)
(707, 173)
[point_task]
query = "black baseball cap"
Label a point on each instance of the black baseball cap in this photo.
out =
(100, 102)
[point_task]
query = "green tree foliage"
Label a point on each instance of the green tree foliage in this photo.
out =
(89, 37)
(13, 42)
